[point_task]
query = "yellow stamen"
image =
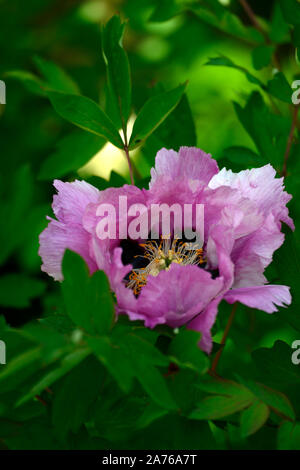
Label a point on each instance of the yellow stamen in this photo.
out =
(160, 258)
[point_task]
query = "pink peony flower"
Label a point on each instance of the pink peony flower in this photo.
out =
(242, 229)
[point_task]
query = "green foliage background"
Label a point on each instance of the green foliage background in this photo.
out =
(74, 379)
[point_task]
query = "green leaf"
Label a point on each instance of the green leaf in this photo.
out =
(164, 10)
(217, 407)
(118, 71)
(116, 359)
(23, 359)
(287, 263)
(279, 31)
(55, 77)
(289, 436)
(59, 321)
(16, 290)
(144, 182)
(226, 21)
(153, 113)
(226, 62)
(173, 431)
(115, 181)
(65, 365)
(280, 88)
(274, 399)
(30, 81)
(130, 356)
(20, 363)
(291, 11)
(85, 113)
(153, 383)
(139, 347)
(268, 131)
(144, 357)
(116, 416)
(176, 131)
(75, 395)
(262, 56)
(54, 344)
(151, 413)
(184, 351)
(220, 386)
(15, 208)
(230, 398)
(241, 158)
(36, 434)
(88, 299)
(3, 324)
(275, 364)
(296, 40)
(29, 352)
(72, 153)
(253, 418)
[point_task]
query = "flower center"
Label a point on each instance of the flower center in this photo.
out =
(160, 256)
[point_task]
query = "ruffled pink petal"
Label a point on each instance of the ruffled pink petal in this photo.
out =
(189, 163)
(219, 247)
(176, 296)
(68, 232)
(228, 207)
(204, 322)
(260, 186)
(72, 199)
(264, 298)
(103, 250)
(55, 239)
(111, 196)
(248, 271)
(166, 192)
(173, 297)
(252, 254)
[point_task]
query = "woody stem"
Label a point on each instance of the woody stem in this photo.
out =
(223, 340)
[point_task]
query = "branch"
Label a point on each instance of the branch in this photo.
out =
(290, 141)
(248, 10)
(251, 15)
(43, 402)
(223, 341)
(129, 164)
